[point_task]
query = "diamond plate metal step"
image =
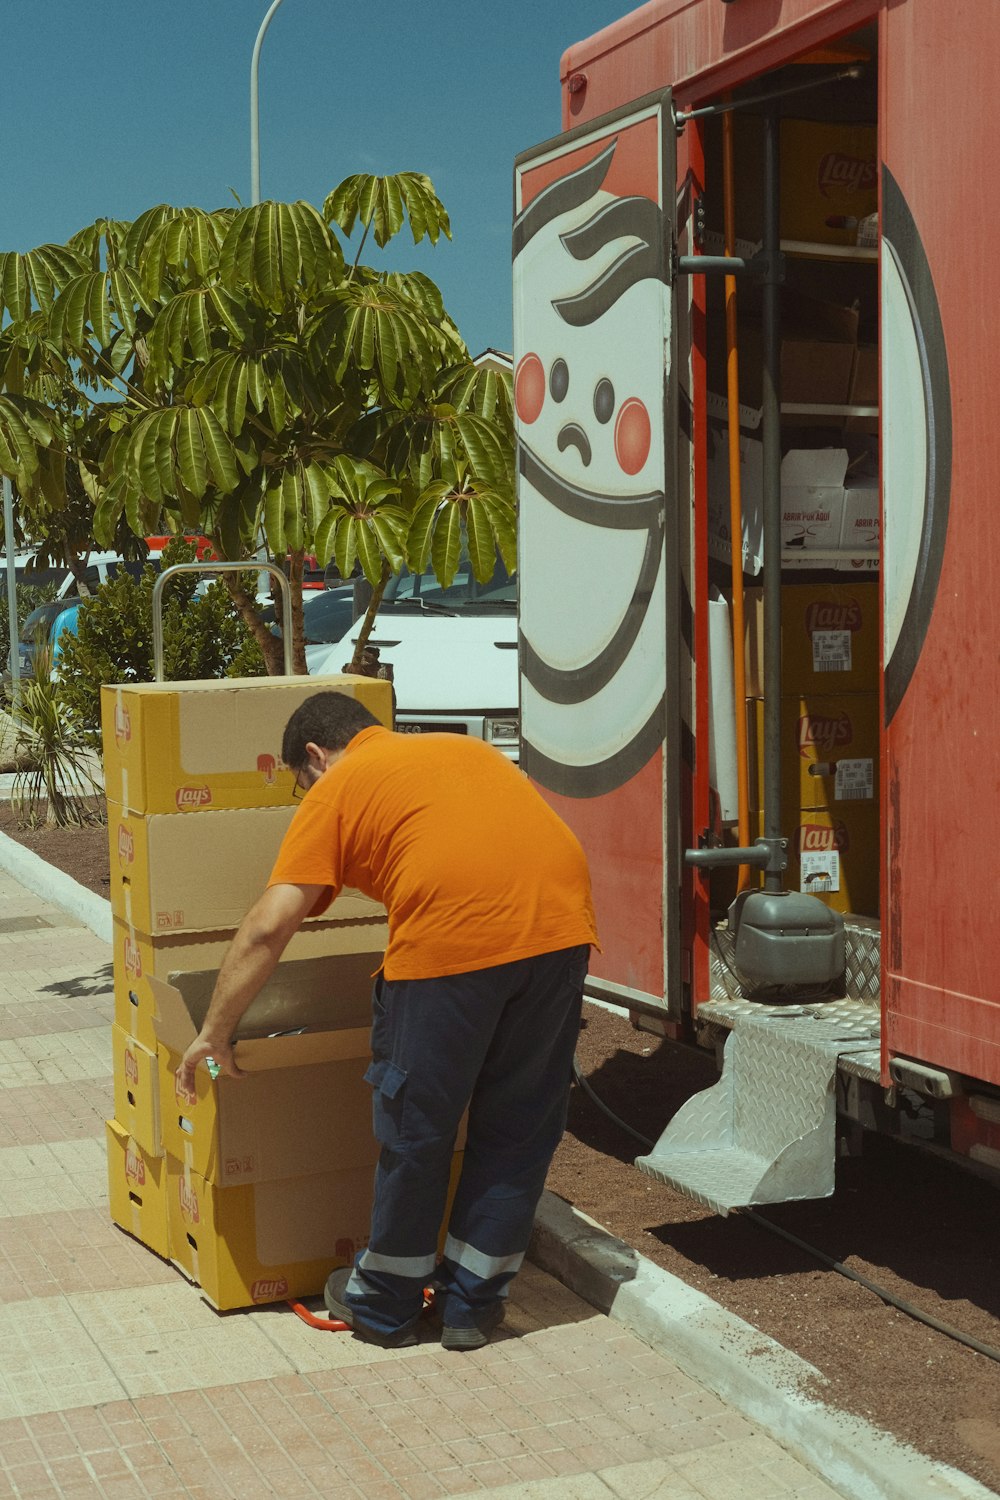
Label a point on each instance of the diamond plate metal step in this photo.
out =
(766, 1132)
(860, 1006)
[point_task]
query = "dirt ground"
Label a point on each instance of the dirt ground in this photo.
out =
(918, 1226)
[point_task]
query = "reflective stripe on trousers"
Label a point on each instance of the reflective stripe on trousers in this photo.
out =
(499, 1041)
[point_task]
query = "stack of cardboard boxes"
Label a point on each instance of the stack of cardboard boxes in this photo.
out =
(256, 1187)
(829, 738)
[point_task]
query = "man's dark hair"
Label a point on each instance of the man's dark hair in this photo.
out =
(330, 720)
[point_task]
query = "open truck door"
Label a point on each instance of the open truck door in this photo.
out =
(595, 392)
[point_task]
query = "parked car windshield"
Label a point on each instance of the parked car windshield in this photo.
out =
(409, 590)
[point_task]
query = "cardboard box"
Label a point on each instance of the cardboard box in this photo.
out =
(828, 171)
(137, 1091)
(139, 958)
(137, 1189)
(171, 874)
(812, 502)
(829, 750)
(824, 526)
(819, 345)
(850, 880)
(751, 497)
(865, 388)
(861, 526)
(304, 1105)
(186, 746)
(865, 376)
(268, 1241)
(829, 638)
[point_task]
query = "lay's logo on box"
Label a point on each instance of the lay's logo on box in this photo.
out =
(123, 725)
(133, 958)
(183, 1095)
(188, 1200)
(818, 838)
(126, 844)
(269, 1291)
(188, 798)
(828, 614)
(131, 1067)
(840, 173)
(823, 732)
(135, 1168)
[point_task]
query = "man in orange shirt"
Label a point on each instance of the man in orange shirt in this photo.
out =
(477, 1006)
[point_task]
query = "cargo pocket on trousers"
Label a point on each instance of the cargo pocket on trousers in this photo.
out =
(388, 1101)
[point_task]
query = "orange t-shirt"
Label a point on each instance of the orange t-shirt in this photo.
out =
(473, 867)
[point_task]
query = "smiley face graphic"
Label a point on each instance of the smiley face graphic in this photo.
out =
(592, 362)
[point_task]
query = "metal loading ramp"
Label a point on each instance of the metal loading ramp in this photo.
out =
(766, 1132)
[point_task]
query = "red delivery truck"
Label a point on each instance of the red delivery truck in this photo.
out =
(757, 460)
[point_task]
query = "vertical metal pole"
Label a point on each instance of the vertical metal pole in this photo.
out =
(771, 432)
(254, 107)
(8, 536)
(255, 198)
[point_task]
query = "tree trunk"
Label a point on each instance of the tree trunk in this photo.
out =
(297, 623)
(356, 663)
(78, 568)
(270, 645)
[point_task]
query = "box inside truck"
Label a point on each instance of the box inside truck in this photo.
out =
(829, 334)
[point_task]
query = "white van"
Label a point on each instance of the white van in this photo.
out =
(453, 654)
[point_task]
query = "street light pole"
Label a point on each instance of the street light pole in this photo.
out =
(262, 558)
(254, 109)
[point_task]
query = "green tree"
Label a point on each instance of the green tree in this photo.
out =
(203, 637)
(231, 373)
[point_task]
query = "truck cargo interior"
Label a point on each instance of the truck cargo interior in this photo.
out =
(829, 330)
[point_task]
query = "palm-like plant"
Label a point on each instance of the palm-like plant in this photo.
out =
(231, 373)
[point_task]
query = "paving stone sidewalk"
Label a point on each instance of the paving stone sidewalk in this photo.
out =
(117, 1380)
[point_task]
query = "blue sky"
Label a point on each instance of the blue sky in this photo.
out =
(110, 106)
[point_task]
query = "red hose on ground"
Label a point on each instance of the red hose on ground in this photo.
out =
(336, 1325)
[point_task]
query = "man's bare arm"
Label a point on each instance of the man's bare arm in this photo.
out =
(250, 960)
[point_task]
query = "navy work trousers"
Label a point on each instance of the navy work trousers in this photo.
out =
(500, 1042)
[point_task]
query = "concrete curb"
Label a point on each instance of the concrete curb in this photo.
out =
(57, 887)
(758, 1377)
(748, 1370)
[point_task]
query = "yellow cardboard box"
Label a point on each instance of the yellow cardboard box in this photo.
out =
(268, 1241)
(834, 854)
(171, 874)
(187, 746)
(304, 1046)
(137, 1091)
(829, 172)
(137, 1189)
(829, 639)
(139, 958)
(829, 750)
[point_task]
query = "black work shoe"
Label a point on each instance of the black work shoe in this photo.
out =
(333, 1295)
(473, 1338)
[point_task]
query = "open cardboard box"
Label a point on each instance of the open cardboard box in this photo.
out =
(140, 958)
(171, 874)
(303, 1106)
(270, 1176)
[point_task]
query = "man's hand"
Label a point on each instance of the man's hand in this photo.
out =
(248, 964)
(221, 1053)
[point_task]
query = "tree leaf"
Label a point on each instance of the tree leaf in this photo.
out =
(446, 548)
(380, 201)
(218, 451)
(191, 461)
